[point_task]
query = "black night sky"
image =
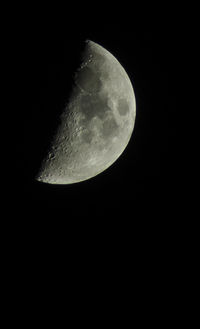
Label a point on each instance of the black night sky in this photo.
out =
(47, 55)
(117, 234)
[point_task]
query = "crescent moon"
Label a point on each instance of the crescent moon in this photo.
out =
(96, 123)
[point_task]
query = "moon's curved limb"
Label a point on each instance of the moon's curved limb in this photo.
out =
(96, 124)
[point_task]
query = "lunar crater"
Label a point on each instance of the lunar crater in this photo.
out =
(87, 136)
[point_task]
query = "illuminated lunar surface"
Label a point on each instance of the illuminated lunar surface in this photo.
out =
(95, 125)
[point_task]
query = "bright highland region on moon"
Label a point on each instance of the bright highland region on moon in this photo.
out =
(96, 123)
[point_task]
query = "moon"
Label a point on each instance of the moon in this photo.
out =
(96, 124)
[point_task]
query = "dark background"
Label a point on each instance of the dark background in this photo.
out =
(47, 54)
(119, 231)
